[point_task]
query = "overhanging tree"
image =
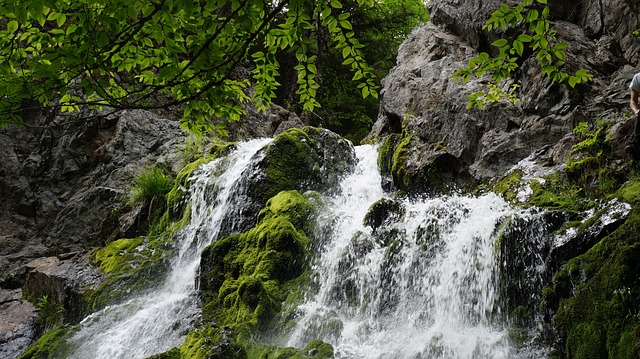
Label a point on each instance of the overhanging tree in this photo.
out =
(70, 54)
(381, 28)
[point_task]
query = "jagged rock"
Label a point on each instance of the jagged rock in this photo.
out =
(63, 282)
(64, 183)
(420, 96)
(271, 122)
(17, 327)
(575, 241)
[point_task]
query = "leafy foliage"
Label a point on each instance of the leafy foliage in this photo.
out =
(51, 311)
(537, 37)
(381, 28)
(67, 54)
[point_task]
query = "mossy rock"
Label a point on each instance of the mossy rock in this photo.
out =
(53, 344)
(171, 354)
(509, 185)
(593, 319)
(383, 212)
(211, 342)
(130, 265)
(302, 159)
(317, 349)
(242, 276)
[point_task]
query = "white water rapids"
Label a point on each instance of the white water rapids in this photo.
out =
(421, 286)
(424, 288)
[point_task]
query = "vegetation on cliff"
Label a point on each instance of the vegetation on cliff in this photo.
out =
(593, 300)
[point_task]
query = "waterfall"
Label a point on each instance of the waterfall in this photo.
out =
(420, 280)
(423, 285)
(159, 320)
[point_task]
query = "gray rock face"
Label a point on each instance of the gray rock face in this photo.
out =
(420, 95)
(19, 319)
(63, 282)
(64, 188)
(272, 122)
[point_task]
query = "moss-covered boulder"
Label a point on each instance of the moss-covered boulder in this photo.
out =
(597, 296)
(411, 164)
(317, 349)
(129, 265)
(243, 276)
(302, 159)
(383, 212)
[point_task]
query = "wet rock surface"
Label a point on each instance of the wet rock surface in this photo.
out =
(17, 327)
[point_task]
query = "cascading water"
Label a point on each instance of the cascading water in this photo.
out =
(418, 282)
(158, 321)
(422, 285)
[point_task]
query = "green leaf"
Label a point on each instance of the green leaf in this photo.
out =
(71, 29)
(519, 47)
(346, 51)
(365, 92)
(500, 43)
(346, 24)
(325, 13)
(524, 38)
(61, 19)
(336, 4)
(12, 26)
(545, 12)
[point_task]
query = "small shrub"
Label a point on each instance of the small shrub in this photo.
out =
(151, 183)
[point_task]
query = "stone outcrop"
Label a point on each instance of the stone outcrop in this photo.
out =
(307, 159)
(64, 184)
(420, 96)
(64, 189)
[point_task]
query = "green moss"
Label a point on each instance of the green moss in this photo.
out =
(130, 265)
(592, 318)
(630, 192)
(291, 205)
(116, 256)
(289, 161)
(182, 180)
(317, 349)
(171, 354)
(385, 154)
(245, 275)
(211, 343)
(509, 185)
(51, 345)
(518, 337)
(399, 167)
(295, 160)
